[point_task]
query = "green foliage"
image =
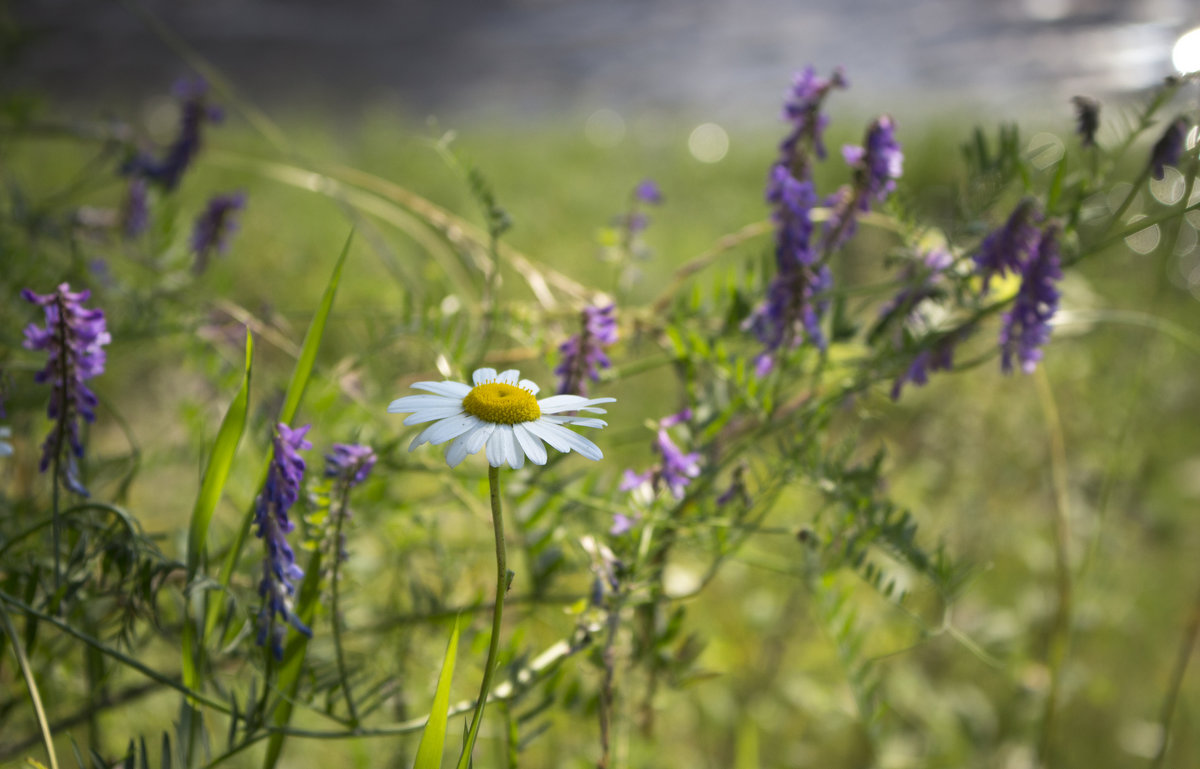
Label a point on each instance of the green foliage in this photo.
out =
(844, 581)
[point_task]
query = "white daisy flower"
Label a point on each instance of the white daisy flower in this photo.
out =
(502, 413)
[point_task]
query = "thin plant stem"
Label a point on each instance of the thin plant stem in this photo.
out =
(489, 667)
(1184, 655)
(31, 684)
(335, 619)
(1060, 635)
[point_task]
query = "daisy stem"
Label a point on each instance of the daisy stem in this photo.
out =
(489, 667)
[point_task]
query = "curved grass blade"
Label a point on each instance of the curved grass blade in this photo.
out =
(31, 683)
(212, 485)
(291, 402)
(433, 739)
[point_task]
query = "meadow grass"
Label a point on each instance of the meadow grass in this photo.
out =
(778, 660)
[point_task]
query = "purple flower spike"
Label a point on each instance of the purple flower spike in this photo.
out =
(280, 572)
(803, 110)
(583, 354)
(351, 463)
(73, 339)
(1008, 248)
(1026, 326)
(215, 226)
(195, 111)
(1168, 148)
(877, 165)
(135, 215)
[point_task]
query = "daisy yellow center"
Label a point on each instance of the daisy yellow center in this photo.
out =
(502, 404)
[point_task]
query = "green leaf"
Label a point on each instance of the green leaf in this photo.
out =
(291, 403)
(212, 485)
(433, 739)
(217, 472)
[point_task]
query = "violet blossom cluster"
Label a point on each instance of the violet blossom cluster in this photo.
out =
(215, 226)
(1027, 246)
(1168, 148)
(675, 469)
(792, 310)
(143, 168)
(1006, 249)
(877, 164)
(350, 463)
(923, 282)
(583, 354)
(280, 572)
(1026, 327)
(73, 339)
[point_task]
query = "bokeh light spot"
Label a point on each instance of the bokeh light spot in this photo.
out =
(708, 143)
(604, 128)
(1186, 53)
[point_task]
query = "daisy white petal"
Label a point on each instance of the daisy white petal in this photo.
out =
(411, 403)
(509, 376)
(483, 375)
(551, 434)
(575, 441)
(456, 452)
(557, 403)
(563, 419)
(477, 439)
(530, 444)
(456, 390)
(431, 414)
(532, 387)
(444, 430)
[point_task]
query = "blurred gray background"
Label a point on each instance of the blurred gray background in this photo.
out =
(725, 60)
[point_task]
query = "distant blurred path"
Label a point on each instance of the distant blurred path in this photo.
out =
(516, 59)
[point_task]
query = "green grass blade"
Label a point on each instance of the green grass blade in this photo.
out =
(433, 739)
(291, 403)
(219, 463)
(212, 485)
(31, 684)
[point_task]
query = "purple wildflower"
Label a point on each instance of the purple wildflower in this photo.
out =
(791, 313)
(1008, 248)
(583, 354)
(792, 310)
(634, 221)
(675, 470)
(135, 214)
(195, 112)
(1026, 326)
(803, 110)
(877, 165)
(622, 523)
(937, 357)
(1168, 148)
(648, 192)
(351, 463)
(73, 339)
(280, 572)
(1087, 116)
(215, 226)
